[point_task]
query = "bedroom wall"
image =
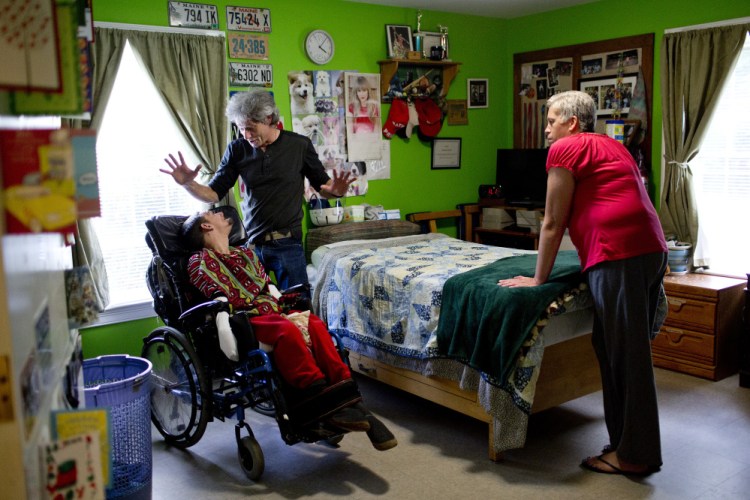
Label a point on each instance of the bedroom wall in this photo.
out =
(359, 34)
(485, 47)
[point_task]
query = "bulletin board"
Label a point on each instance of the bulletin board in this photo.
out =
(592, 67)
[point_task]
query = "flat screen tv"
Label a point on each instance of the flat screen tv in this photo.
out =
(521, 173)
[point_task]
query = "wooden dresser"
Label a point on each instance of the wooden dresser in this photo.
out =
(701, 335)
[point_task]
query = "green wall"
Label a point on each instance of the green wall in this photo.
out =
(485, 49)
(359, 34)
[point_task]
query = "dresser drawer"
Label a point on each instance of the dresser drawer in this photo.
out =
(691, 312)
(684, 344)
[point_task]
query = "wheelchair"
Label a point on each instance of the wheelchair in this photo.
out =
(193, 382)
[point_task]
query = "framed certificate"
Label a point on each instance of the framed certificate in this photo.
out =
(446, 153)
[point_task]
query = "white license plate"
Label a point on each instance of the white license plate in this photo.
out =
(247, 46)
(248, 19)
(245, 75)
(193, 15)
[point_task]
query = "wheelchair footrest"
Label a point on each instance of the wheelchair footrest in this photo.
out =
(327, 402)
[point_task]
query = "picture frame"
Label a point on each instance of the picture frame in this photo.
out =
(446, 153)
(457, 112)
(399, 40)
(434, 39)
(601, 90)
(477, 92)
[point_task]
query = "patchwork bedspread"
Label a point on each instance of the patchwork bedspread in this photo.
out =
(390, 296)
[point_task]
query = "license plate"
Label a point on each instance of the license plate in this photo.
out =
(245, 74)
(248, 19)
(246, 46)
(193, 15)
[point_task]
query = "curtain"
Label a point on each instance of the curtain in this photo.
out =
(190, 73)
(106, 55)
(694, 66)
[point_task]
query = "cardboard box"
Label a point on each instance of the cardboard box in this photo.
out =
(530, 219)
(393, 214)
(496, 218)
(354, 213)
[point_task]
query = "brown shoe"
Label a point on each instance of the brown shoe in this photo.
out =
(350, 419)
(381, 438)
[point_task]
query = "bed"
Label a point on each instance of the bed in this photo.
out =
(356, 265)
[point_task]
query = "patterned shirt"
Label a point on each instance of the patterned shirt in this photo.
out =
(238, 276)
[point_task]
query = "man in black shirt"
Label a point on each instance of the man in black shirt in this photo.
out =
(273, 165)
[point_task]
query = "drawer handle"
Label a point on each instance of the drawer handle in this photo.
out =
(678, 303)
(365, 369)
(680, 335)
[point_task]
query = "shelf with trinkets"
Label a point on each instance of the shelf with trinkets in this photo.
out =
(389, 68)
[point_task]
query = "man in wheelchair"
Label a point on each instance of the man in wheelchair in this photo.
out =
(303, 350)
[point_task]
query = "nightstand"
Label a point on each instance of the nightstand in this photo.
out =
(701, 335)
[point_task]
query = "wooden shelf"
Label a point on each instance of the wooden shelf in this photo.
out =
(389, 67)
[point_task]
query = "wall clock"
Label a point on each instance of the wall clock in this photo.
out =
(319, 46)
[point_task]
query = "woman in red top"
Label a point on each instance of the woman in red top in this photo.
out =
(594, 189)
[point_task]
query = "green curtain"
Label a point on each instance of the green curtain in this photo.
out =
(694, 66)
(190, 73)
(106, 56)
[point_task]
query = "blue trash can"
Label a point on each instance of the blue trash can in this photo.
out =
(122, 384)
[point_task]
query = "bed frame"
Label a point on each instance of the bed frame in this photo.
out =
(568, 371)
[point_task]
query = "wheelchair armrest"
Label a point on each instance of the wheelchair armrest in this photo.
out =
(212, 307)
(302, 287)
(295, 298)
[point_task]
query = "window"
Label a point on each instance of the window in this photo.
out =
(721, 173)
(136, 134)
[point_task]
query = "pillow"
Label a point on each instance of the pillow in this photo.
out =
(366, 230)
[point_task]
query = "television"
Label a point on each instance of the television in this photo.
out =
(522, 176)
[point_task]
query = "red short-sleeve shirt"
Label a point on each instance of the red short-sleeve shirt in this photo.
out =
(611, 217)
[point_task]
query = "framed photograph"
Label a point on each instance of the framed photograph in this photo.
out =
(631, 131)
(478, 92)
(432, 39)
(399, 40)
(446, 153)
(603, 92)
(457, 114)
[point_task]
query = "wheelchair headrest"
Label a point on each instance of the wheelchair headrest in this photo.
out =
(164, 232)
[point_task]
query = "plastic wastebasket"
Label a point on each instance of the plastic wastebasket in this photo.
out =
(122, 384)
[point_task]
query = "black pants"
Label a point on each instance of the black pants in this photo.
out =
(626, 295)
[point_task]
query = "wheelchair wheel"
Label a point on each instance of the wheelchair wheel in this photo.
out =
(266, 408)
(251, 457)
(180, 396)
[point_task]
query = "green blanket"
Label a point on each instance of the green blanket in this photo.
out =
(484, 325)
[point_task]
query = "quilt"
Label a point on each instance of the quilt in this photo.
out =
(390, 296)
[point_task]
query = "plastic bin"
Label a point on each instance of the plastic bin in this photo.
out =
(122, 384)
(679, 258)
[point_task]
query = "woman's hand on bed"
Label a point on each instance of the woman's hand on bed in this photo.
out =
(518, 281)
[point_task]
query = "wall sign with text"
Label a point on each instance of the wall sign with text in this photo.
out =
(247, 46)
(246, 75)
(193, 15)
(248, 19)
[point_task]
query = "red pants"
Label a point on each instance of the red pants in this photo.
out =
(298, 364)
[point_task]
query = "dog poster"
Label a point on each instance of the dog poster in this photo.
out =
(318, 100)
